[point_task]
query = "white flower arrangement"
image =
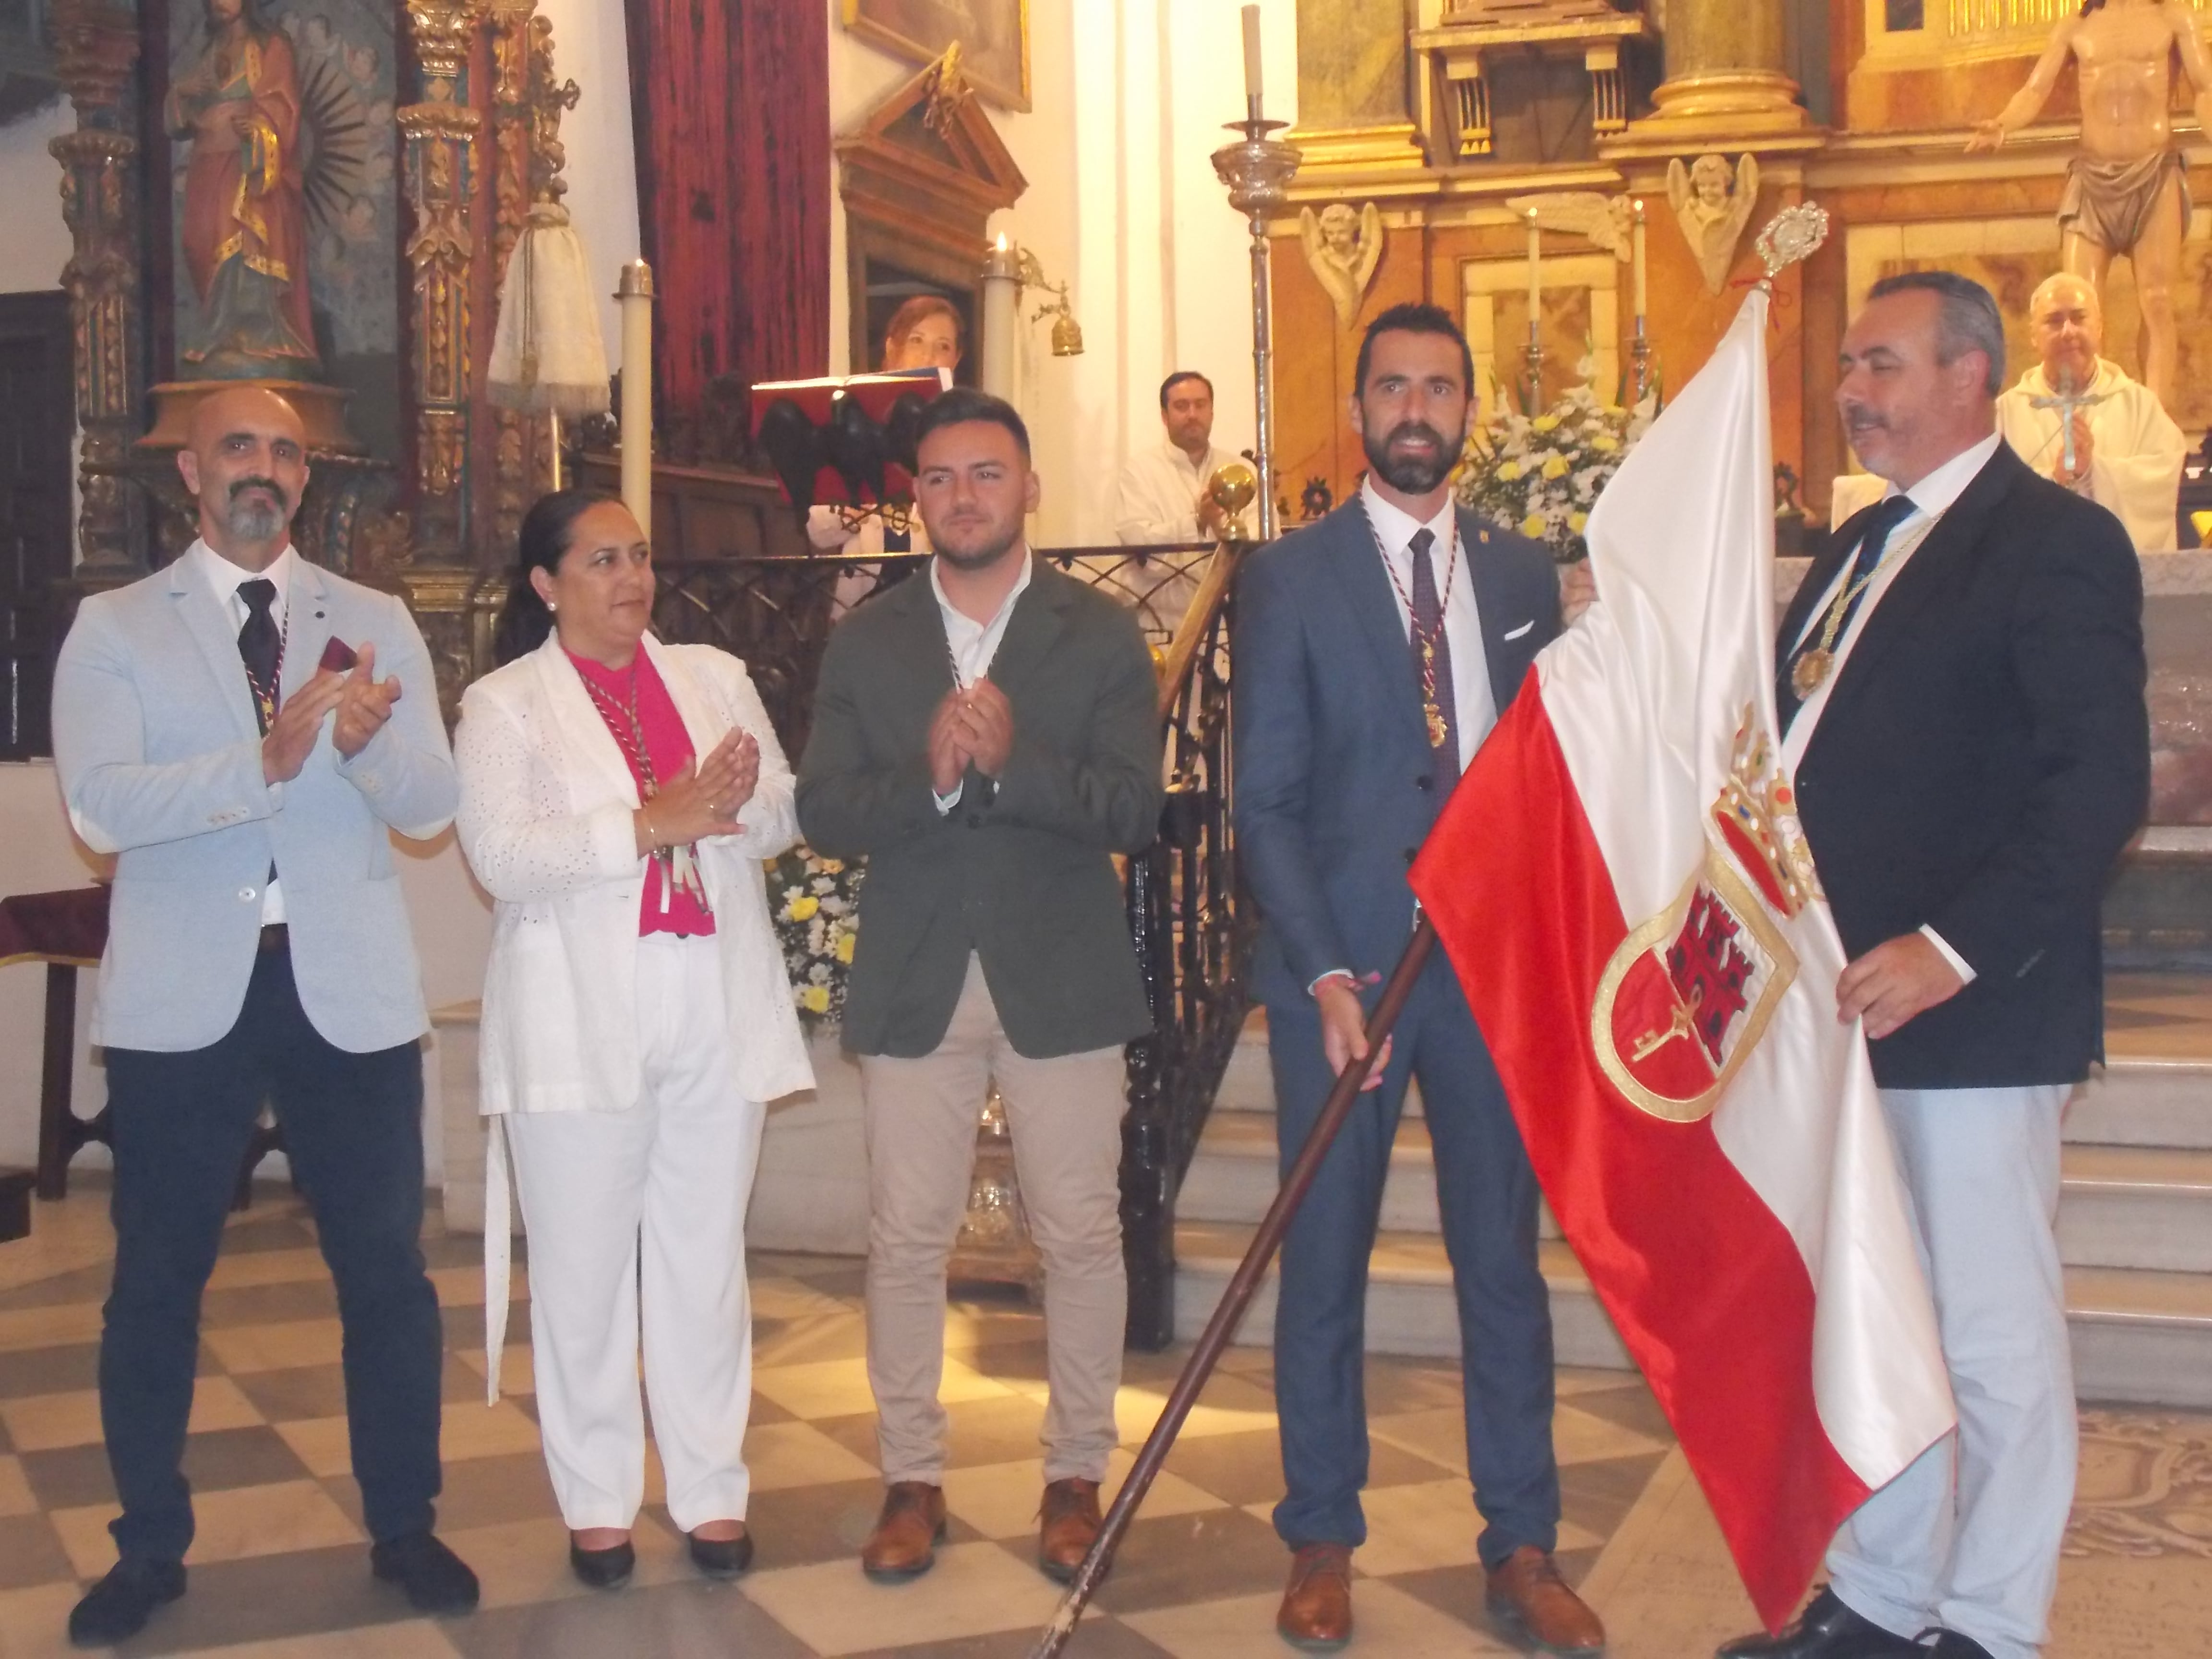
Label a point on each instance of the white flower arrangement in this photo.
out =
(816, 905)
(1540, 475)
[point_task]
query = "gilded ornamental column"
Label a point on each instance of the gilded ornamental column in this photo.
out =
(1354, 81)
(441, 135)
(440, 132)
(1724, 73)
(97, 50)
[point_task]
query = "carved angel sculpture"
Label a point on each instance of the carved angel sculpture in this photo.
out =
(1713, 209)
(1606, 220)
(1342, 247)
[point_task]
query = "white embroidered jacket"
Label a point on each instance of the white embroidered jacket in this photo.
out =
(544, 819)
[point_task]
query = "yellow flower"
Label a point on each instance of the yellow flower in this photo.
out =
(831, 867)
(803, 910)
(1556, 467)
(815, 999)
(1577, 521)
(1605, 443)
(1544, 422)
(1533, 525)
(1508, 472)
(844, 947)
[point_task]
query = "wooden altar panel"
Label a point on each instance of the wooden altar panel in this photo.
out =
(1314, 360)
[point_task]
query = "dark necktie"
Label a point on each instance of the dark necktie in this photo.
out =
(1871, 526)
(1429, 625)
(261, 645)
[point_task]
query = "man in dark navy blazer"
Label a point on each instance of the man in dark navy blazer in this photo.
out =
(1961, 696)
(1374, 652)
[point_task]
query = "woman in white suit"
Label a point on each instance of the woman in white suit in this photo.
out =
(616, 798)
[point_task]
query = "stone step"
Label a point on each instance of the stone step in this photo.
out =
(2120, 1206)
(2142, 1099)
(2137, 1208)
(2139, 1337)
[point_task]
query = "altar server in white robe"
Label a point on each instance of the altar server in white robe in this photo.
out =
(2128, 453)
(616, 798)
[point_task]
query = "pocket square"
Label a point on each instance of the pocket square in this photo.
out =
(1516, 633)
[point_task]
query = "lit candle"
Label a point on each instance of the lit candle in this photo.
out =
(1535, 275)
(633, 293)
(1002, 318)
(1252, 56)
(1643, 310)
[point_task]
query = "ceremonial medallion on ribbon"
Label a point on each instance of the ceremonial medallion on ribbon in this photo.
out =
(1686, 996)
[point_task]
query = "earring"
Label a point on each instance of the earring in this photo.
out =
(550, 607)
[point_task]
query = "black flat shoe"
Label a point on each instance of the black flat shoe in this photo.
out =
(119, 1606)
(721, 1557)
(607, 1569)
(436, 1580)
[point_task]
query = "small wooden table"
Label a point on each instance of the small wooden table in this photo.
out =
(68, 931)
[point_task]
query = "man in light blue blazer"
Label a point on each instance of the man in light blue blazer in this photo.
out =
(258, 952)
(1374, 652)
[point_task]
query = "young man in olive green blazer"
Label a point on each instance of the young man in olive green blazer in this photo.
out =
(987, 735)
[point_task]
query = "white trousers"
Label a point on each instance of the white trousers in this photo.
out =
(642, 1212)
(1967, 1537)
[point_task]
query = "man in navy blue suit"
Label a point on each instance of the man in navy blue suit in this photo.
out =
(1374, 652)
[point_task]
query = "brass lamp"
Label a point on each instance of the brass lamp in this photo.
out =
(1067, 332)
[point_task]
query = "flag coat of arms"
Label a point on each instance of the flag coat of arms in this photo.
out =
(1624, 890)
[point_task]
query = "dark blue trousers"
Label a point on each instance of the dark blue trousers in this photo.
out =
(1488, 1197)
(353, 1129)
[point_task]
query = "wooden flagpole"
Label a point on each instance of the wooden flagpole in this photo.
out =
(1243, 1286)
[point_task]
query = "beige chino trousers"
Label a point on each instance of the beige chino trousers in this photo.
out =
(1065, 1116)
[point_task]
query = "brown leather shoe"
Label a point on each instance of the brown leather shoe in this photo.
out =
(1527, 1592)
(1317, 1610)
(1067, 1524)
(903, 1544)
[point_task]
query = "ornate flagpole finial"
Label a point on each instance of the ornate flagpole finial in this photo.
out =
(1792, 235)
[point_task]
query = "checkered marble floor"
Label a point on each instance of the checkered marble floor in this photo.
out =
(280, 1563)
(279, 1567)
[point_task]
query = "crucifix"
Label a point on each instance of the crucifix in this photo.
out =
(2068, 402)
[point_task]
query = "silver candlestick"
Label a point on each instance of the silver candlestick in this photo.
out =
(1258, 171)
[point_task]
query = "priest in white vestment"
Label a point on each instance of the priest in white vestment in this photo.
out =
(2127, 450)
(1161, 497)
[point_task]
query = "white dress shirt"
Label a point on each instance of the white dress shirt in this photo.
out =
(223, 578)
(1157, 501)
(1931, 499)
(1473, 704)
(974, 645)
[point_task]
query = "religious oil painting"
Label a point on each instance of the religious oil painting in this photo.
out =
(993, 37)
(285, 204)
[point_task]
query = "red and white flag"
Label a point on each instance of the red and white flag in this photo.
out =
(1624, 888)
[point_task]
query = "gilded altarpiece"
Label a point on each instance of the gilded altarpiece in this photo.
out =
(393, 149)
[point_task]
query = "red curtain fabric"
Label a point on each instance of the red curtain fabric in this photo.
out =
(730, 103)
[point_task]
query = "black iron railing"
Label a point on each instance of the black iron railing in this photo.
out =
(1193, 933)
(1191, 930)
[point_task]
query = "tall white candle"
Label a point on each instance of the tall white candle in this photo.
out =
(1002, 318)
(1535, 275)
(635, 294)
(1252, 54)
(1642, 308)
